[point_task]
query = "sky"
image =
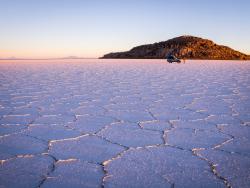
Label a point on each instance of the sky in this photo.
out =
(91, 28)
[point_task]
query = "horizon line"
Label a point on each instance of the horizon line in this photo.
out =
(56, 58)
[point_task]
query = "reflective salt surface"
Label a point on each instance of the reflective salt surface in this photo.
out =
(124, 123)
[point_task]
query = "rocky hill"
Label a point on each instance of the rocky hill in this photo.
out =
(188, 47)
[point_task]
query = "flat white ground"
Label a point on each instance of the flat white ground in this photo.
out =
(124, 123)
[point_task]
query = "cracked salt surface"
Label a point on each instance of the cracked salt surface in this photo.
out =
(75, 173)
(159, 167)
(24, 171)
(155, 125)
(18, 144)
(131, 136)
(89, 148)
(195, 138)
(233, 167)
(91, 124)
(124, 123)
(51, 132)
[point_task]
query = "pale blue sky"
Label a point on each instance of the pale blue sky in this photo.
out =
(90, 28)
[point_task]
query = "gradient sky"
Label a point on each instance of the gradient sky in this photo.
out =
(90, 28)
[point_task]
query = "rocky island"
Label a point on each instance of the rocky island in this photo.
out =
(188, 47)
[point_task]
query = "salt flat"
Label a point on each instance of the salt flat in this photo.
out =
(124, 123)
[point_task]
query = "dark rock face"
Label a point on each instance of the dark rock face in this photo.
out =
(188, 47)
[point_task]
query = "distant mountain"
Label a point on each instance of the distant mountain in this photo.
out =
(71, 57)
(188, 47)
(9, 58)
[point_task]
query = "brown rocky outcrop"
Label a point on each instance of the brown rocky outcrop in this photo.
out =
(188, 47)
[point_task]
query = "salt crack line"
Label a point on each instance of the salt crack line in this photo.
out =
(52, 168)
(223, 143)
(211, 165)
(69, 139)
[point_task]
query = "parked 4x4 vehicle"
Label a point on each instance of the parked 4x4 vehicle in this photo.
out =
(172, 58)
